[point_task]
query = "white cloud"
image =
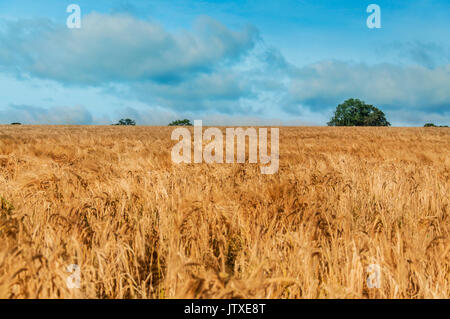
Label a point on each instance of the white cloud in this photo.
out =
(209, 71)
(26, 114)
(117, 48)
(326, 83)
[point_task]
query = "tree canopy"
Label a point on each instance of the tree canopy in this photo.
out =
(184, 122)
(354, 112)
(126, 122)
(433, 125)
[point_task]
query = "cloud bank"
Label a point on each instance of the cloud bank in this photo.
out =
(213, 71)
(415, 87)
(29, 114)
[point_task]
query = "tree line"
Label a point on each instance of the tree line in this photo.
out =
(352, 112)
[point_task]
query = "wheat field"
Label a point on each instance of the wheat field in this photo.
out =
(110, 200)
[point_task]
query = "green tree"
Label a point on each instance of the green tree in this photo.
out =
(128, 122)
(354, 112)
(184, 122)
(433, 125)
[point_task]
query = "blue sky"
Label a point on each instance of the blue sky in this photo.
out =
(233, 62)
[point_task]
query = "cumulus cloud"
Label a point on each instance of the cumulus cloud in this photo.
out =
(217, 90)
(404, 117)
(325, 84)
(211, 71)
(206, 68)
(28, 114)
(427, 54)
(118, 47)
(256, 82)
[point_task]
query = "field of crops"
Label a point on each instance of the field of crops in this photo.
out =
(110, 200)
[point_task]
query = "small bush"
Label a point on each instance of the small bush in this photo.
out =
(184, 122)
(127, 122)
(432, 125)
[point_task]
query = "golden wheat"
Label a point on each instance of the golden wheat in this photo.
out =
(110, 200)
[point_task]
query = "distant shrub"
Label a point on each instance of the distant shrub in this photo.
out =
(184, 122)
(127, 122)
(16, 123)
(432, 125)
